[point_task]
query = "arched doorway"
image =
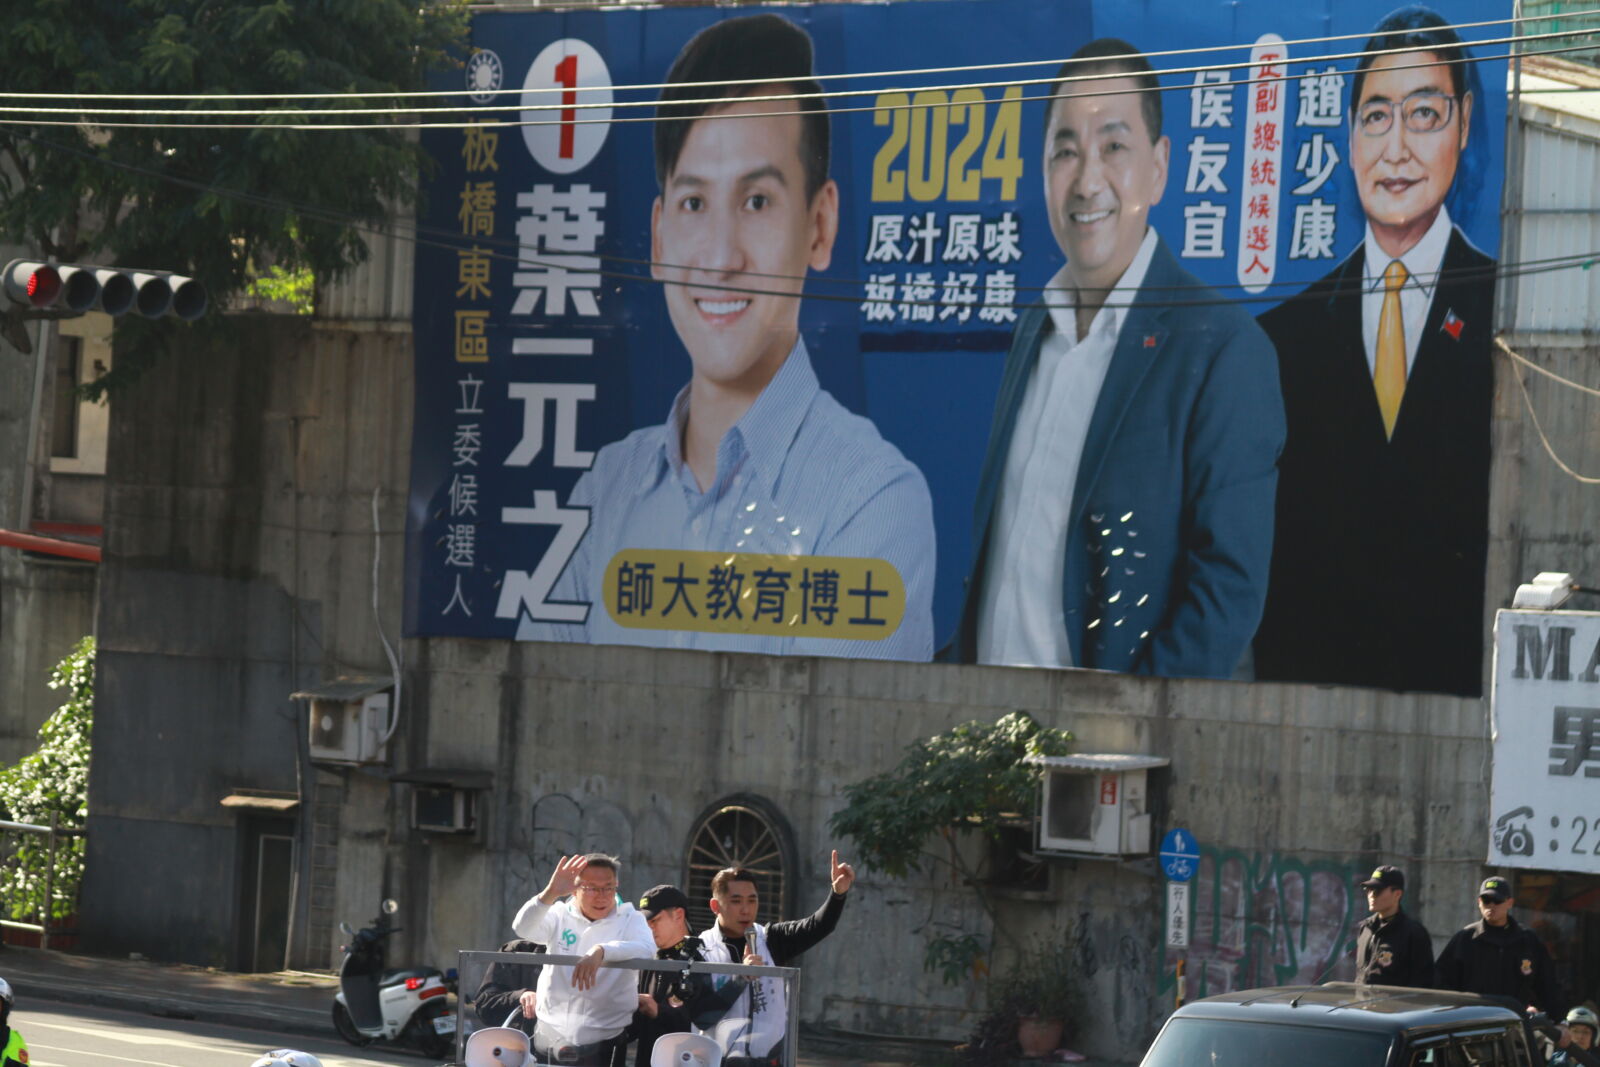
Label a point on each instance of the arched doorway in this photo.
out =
(747, 831)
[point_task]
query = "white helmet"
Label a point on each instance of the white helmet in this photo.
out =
(1582, 1016)
(287, 1057)
(8, 997)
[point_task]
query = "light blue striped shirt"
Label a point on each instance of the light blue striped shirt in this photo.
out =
(798, 474)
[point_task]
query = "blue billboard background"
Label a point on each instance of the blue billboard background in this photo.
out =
(928, 386)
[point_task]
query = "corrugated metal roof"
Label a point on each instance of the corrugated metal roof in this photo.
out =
(1559, 210)
(1109, 761)
(261, 800)
(377, 290)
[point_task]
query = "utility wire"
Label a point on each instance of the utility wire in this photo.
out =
(606, 121)
(425, 93)
(1533, 416)
(444, 240)
(716, 115)
(824, 95)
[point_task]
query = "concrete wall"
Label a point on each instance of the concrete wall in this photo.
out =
(1293, 791)
(46, 605)
(239, 568)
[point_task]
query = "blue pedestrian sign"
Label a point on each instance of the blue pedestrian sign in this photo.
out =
(1180, 855)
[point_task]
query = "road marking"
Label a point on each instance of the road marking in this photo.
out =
(221, 1046)
(124, 1035)
(102, 1055)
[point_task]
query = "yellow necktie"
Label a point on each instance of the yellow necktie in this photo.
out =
(1389, 369)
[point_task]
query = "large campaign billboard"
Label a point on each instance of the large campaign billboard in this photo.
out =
(1146, 337)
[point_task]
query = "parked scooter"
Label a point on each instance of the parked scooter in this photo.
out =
(374, 1004)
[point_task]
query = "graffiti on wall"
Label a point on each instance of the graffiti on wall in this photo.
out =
(1266, 918)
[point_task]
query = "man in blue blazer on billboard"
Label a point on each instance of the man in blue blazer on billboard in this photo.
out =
(1124, 514)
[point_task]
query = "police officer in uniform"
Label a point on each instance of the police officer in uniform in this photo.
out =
(1391, 947)
(13, 1050)
(670, 1002)
(1498, 956)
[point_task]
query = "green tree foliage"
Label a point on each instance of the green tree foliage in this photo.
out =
(211, 201)
(53, 780)
(969, 777)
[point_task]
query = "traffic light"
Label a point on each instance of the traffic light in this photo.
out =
(115, 291)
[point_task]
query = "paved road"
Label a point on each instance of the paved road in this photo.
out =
(64, 1035)
(70, 1035)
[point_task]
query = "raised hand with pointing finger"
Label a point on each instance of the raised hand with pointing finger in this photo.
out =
(843, 875)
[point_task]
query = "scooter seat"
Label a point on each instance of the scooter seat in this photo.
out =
(396, 977)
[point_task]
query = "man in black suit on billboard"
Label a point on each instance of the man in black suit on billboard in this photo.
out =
(1383, 487)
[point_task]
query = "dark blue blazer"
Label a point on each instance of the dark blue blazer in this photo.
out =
(1170, 536)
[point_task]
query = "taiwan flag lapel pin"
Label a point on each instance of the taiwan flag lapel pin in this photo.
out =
(1453, 324)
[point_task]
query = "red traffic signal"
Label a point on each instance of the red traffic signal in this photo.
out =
(34, 284)
(74, 287)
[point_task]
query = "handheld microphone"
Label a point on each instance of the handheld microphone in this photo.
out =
(750, 941)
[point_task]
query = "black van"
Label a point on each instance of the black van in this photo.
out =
(1341, 1025)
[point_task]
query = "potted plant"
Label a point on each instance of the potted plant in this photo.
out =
(1040, 991)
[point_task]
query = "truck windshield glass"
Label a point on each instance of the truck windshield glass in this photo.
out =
(1218, 1043)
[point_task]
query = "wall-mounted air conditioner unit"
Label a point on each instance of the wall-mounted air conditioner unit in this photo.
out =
(443, 810)
(348, 720)
(444, 800)
(1095, 805)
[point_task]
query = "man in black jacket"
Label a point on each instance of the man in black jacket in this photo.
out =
(1498, 956)
(752, 1032)
(507, 988)
(673, 1002)
(1391, 947)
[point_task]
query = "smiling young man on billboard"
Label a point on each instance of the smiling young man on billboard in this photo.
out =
(754, 456)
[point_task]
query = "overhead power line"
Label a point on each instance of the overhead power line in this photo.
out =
(345, 127)
(508, 250)
(579, 105)
(400, 94)
(453, 242)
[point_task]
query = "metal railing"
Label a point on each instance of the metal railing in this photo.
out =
(473, 965)
(53, 835)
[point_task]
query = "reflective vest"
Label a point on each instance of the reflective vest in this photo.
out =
(16, 1051)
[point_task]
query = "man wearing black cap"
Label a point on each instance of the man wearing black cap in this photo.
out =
(1498, 956)
(671, 1002)
(1391, 947)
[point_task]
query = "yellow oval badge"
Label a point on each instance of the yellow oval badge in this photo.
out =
(845, 598)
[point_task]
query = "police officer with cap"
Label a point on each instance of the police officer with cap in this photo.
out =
(1391, 947)
(670, 1001)
(1498, 956)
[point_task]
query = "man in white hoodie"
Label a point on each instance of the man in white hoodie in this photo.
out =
(582, 1011)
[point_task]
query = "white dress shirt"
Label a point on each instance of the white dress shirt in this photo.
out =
(1020, 620)
(1422, 262)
